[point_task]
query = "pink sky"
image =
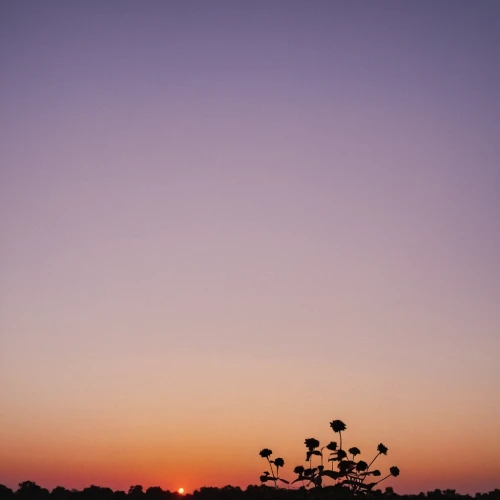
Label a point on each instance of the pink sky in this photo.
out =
(226, 224)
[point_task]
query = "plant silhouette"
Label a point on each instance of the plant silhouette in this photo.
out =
(32, 491)
(278, 462)
(351, 473)
(338, 426)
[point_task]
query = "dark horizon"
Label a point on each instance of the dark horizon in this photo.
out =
(29, 490)
(225, 222)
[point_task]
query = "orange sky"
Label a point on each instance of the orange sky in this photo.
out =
(223, 449)
(225, 225)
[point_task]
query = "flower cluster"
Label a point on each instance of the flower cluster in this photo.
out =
(351, 473)
(277, 462)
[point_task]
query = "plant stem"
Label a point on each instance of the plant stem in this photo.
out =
(272, 473)
(384, 478)
(373, 461)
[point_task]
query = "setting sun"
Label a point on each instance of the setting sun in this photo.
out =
(181, 490)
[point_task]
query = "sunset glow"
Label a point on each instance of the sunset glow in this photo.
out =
(226, 223)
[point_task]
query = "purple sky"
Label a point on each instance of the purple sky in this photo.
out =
(292, 193)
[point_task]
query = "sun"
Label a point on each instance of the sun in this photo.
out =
(181, 490)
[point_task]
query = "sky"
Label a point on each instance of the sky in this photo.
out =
(225, 224)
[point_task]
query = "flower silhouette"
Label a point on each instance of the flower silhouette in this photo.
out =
(266, 453)
(361, 466)
(382, 449)
(337, 425)
(354, 451)
(311, 443)
(394, 471)
(350, 473)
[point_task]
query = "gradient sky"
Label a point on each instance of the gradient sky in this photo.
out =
(226, 223)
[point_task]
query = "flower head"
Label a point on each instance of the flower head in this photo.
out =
(337, 425)
(394, 471)
(361, 465)
(382, 449)
(341, 454)
(265, 453)
(279, 462)
(354, 451)
(299, 469)
(311, 443)
(332, 446)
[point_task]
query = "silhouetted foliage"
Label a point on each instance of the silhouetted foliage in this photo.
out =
(6, 493)
(136, 491)
(350, 474)
(59, 493)
(29, 490)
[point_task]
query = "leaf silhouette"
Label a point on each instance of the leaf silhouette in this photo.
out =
(310, 472)
(330, 473)
(347, 465)
(310, 453)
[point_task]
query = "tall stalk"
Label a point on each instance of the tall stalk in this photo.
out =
(272, 473)
(370, 464)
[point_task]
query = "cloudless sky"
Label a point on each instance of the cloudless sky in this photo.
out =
(226, 223)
